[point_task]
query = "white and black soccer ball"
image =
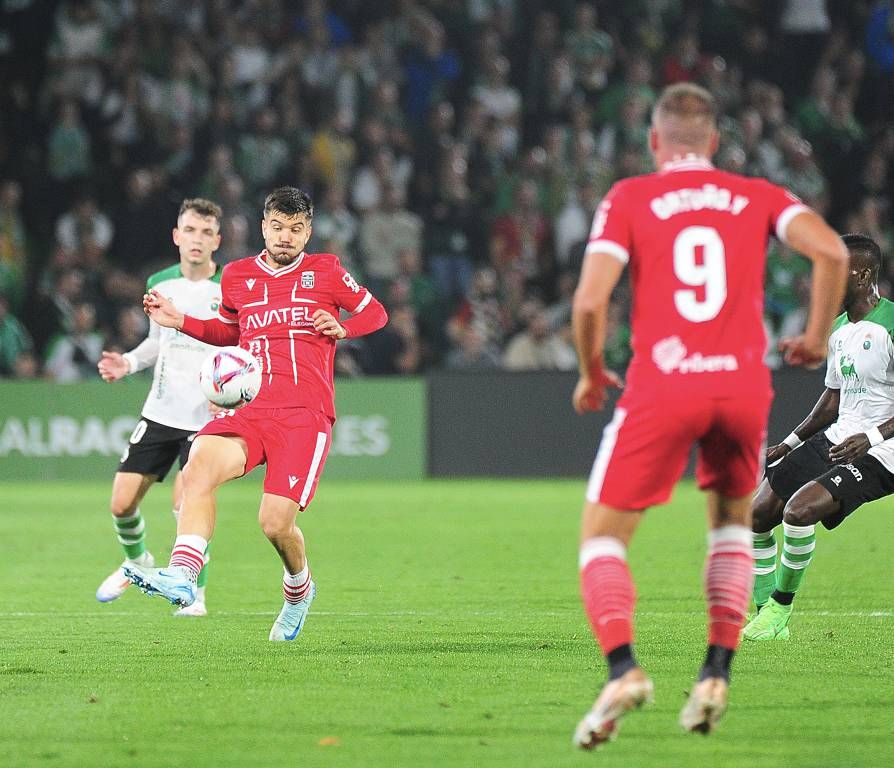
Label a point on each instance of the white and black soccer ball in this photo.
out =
(230, 376)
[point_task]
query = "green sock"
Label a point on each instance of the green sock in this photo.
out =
(764, 566)
(203, 574)
(131, 532)
(798, 543)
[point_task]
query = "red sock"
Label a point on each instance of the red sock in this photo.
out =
(295, 586)
(189, 552)
(607, 590)
(729, 576)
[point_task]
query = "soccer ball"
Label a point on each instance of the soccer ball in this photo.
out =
(230, 376)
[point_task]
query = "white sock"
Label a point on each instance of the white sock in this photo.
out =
(296, 579)
(296, 586)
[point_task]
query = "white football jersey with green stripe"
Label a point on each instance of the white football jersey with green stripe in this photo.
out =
(175, 398)
(861, 366)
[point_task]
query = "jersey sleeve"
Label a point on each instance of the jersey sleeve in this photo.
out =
(783, 206)
(611, 231)
(833, 373)
(348, 293)
(145, 353)
(367, 313)
(227, 310)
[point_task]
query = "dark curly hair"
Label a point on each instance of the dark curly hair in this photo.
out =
(290, 201)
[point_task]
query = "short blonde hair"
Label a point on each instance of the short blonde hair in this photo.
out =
(685, 115)
(201, 206)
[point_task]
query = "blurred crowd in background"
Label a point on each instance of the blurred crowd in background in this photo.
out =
(455, 150)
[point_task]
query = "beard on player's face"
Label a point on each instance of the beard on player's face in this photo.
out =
(284, 244)
(282, 256)
(284, 253)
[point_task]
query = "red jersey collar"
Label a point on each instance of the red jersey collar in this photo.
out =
(690, 162)
(277, 272)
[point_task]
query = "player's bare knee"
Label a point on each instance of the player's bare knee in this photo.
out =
(123, 506)
(198, 477)
(808, 506)
(766, 515)
(800, 514)
(275, 528)
(766, 509)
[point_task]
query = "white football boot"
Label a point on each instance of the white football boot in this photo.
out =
(198, 608)
(705, 706)
(114, 585)
(175, 583)
(291, 618)
(628, 692)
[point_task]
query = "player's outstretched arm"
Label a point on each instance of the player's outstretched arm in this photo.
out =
(824, 413)
(212, 331)
(809, 234)
(112, 366)
(162, 310)
(599, 275)
(369, 316)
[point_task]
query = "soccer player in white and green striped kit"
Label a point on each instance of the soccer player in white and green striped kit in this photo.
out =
(175, 408)
(839, 457)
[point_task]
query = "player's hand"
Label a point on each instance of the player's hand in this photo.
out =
(589, 394)
(850, 449)
(801, 350)
(776, 452)
(328, 325)
(112, 366)
(162, 310)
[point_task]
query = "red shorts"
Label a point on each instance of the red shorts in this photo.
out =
(293, 442)
(645, 449)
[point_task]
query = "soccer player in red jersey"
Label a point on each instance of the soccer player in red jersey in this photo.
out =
(694, 238)
(283, 306)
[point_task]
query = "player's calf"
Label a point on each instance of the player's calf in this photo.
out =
(728, 583)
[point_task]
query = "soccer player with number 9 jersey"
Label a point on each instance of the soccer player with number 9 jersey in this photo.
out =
(694, 239)
(283, 306)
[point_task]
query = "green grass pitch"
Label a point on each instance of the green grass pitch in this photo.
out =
(447, 631)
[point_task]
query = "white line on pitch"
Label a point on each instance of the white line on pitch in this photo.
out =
(417, 614)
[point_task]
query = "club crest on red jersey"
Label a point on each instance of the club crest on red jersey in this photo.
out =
(307, 279)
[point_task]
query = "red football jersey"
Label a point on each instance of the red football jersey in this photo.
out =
(273, 308)
(695, 240)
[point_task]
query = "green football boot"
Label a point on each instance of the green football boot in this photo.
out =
(770, 624)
